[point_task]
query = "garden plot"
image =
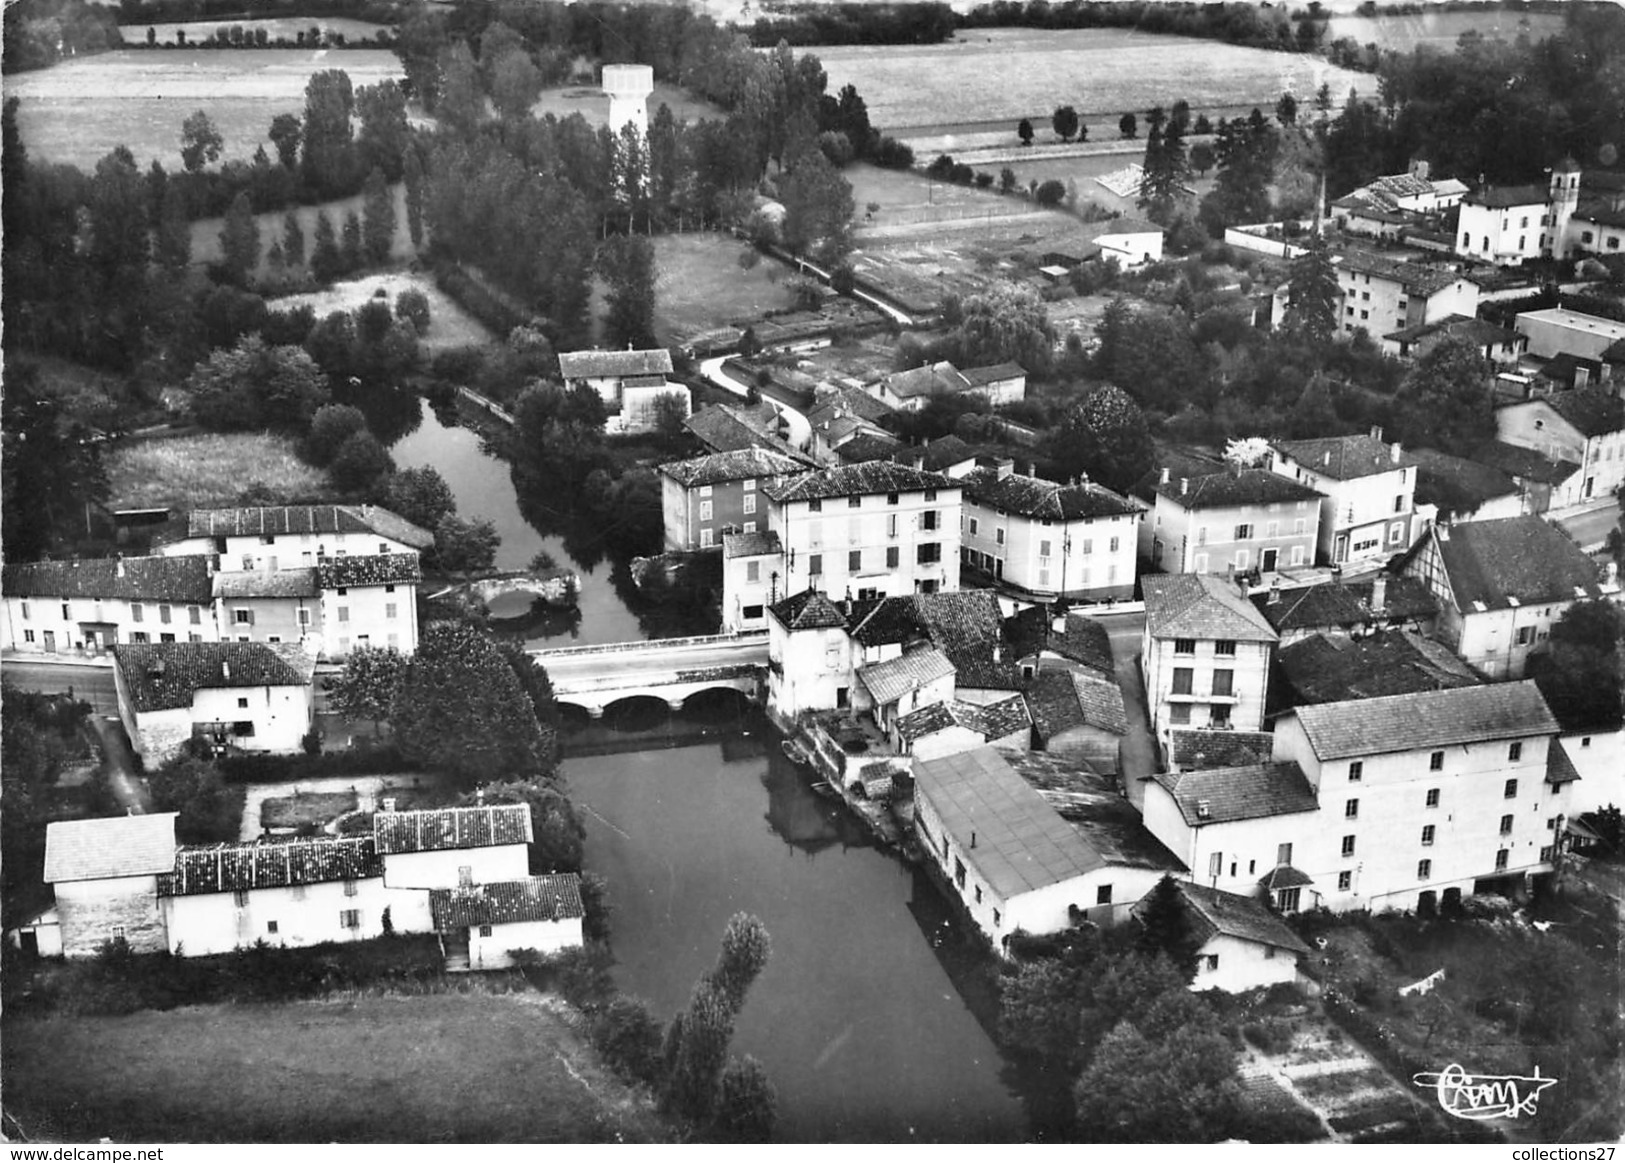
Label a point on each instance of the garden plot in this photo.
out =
(208, 471)
(449, 324)
(701, 284)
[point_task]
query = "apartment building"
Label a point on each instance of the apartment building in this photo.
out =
(1368, 492)
(1232, 522)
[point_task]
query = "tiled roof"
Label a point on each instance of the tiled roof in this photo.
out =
(721, 467)
(1222, 795)
(1084, 641)
(1506, 197)
(1524, 462)
(281, 583)
(591, 365)
(1455, 484)
(852, 402)
(270, 521)
(1344, 458)
(729, 427)
(808, 610)
(857, 479)
(1319, 669)
(214, 868)
(1601, 212)
(1197, 749)
(1021, 843)
(1248, 486)
(1414, 277)
(1478, 330)
(441, 829)
(109, 847)
(1091, 803)
(1229, 914)
(162, 676)
(936, 379)
(1046, 500)
(968, 626)
(1284, 876)
(1428, 719)
(141, 579)
(994, 721)
(1495, 565)
(750, 544)
(1345, 604)
(1178, 462)
(980, 377)
(1196, 605)
(378, 569)
(1063, 699)
(927, 720)
(889, 681)
(940, 454)
(507, 902)
(867, 446)
(1593, 411)
(1560, 764)
(887, 622)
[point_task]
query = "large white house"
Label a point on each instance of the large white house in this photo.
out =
(1205, 654)
(1233, 522)
(1583, 425)
(1369, 491)
(54, 607)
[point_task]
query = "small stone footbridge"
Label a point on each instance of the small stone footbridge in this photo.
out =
(672, 669)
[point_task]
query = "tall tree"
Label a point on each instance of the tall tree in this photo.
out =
(462, 100)
(326, 261)
(1007, 323)
(1163, 176)
(173, 248)
(200, 142)
(367, 686)
(384, 136)
(378, 222)
(1582, 674)
(255, 386)
(1065, 122)
(1312, 292)
(628, 266)
(287, 131)
(1444, 400)
(329, 135)
(52, 469)
(1024, 130)
(293, 239)
(352, 243)
(1104, 436)
(240, 241)
(818, 210)
(412, 171)
(515, 83)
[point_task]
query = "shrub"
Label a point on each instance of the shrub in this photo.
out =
(413, 306)
(629, 1038)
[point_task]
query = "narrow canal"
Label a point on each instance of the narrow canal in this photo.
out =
(856, 1017)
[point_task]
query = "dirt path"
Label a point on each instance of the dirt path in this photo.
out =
(119, 762)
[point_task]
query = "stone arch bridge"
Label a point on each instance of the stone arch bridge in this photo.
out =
(673, 669)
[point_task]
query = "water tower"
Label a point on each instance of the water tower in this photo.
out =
(629, 87)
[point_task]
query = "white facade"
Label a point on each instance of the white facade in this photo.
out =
(264, 718)
(749, 587)
(1233, 538)
(641, 407)
(1599, 759)
(447, 867)
(491, 946)
(38, 625)
(1236, 965)
(1089, 558)
(1230, 855)
(1205, 682)
(808, 670)
(874, 544)
(372, 615)
(247, 554)
(296, 916)
(1559, 331)
(1364, 517)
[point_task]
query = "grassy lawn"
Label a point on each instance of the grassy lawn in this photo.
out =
(286, 27)
(440, 1068)
(989, 76)
(206, 231)
(701, 285)
(305, 811)
(208, 470)
(77, 111)
(449, 324)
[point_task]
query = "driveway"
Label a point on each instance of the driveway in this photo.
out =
(129, 789)
(1139, 753)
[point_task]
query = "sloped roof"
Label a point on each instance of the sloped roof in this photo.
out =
(1248, 486)
(980, 377)
(742, 464)
(1092, 804)
(271, 521)
(139, 579)
(211, 868)
(994, 721)
(1239, 793)
(1044, 500)
(1345, 604)
(751, 544)
(926, 720)
(1593, 411)
(941, 453)
(889, 681)
(375, 569)
(877, 476)
(1480, 331)
(1560, 767)
(1194, 605)
(587, 365)
(1084, 641)
(1063, 699)
(1178, 462)
(109, 847)
(443, 829)
(506, 902)
(849, 401)
(1524, 462)
(1456, 484)
(939, 378)
(1506, 197)
(162, 676)
(1431, 719)
(1494, 565)
(808, 610)
(1197, 749)
(1344, 458)
(1318, 669)
(867, 445)
(968, 627)
(1415, 278)
(886, 622)
(1228, 914)
(1021, 843)
(281, 583)
(730, 427)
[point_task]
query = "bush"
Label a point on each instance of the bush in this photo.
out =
(1050, 193)
(413, 306)
(629, 1038)
(378, 760)
(472, 297)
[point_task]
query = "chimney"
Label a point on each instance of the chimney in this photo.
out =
(1184, 485)
(1326, 458)
(1394, 451)
(1376, 432)
(118, 570)
(1164, 478)
(225, 671)
(1005, 467)
(1379, 593)
(973, 839)
(998, 653)
(1275, 591)
(389, 803)
(1582, 376)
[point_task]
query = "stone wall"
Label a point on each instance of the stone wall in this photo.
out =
(92, 911)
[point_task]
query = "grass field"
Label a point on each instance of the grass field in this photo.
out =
(287, 28)
(449, 324)
(701, 285)
(206, 231)
(593, 104)
(77, 111)
(1440, 29)
(997, 75)
(208, 470)
(305, 811)
(434, 1069)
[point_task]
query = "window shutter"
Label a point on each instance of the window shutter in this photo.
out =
(251, 617)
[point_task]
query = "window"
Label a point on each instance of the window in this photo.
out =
(894, 557)
(1243, 531)
(928, 554)
(815, 564)
(1345, 881)
(854, 502)
(930, 494)
(1348, 845)
(1506, 825)
(304, 618)
(1515, 751)
(240, 898)
(1043, 549)
(1201, 535)
(1526, 635)
(998, 537)
(959, 872)
(1184, 646)
(1510, 791)
(118, 932)
(344, 613)
(1283, 854)
(1224, 683)
(854, 561)
(1215, 864)
(1351, 809)
(750, 502)
(1501, 859)
(137, 612)
(1212, 963)
(141, 636)
(1433, 797)
(1179, 714)
(1424, 869)
(248, 561)
(977, 891)
(243, 704)
(1103, 895)
(705, 510)
(815, 506)
(349, 888)
(1089, 545)
(1436, 761)
(750, 485)
(25, 612)
(243, 617)
(1225, 648)
(973, 526)
(1357, 771)
(753, 571)
(349, 918)
(1184, 677)
(194, 615)
(928, 520)
(485, 930)
(28, 636)
(270, 927)
(996, 918)
(164, 614)
(1427, 835)
(891, 498)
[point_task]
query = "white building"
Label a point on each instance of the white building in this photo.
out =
(631, 383)
(1205, 654)
(1074, 541)
(104, 873)
(287, 536)
(54, 607)
(1243, 946)
(537, 913)
(629, 87)
(1000, 383)
(809, 656)
(250, 696)
(912, 390)
(1369, 489)
(752, 572)
(1583, 425)
(1560, 331)
(1233, 522)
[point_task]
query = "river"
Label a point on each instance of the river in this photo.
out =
(856, 1017)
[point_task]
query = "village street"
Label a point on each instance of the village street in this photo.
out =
(1139, 753)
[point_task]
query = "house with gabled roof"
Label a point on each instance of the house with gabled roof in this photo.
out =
(1381, 295)
(1233, 521)
(279, 536)
(1080, 715)
(1190, 749)
(949, 455)
(912, 390)
(1500, 346)
(629, 382)
(1331, 669)
(1000, 383)
(945, 728)
(751, 578)
(54, 607)
(1546, 483)
(1205, 654)
(891, 689)
(104, 873)
(706, 496)
(1384, 601)
(1500, 586)
(810, 655)
(864, 446)
(732, 427)
(1429, 796)
(249, 696)
(1368, 490)
(1582, 425)
(1457, 490)
(483, 925)
(1240, 944)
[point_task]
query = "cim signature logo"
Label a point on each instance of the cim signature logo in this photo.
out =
(1485, 1096)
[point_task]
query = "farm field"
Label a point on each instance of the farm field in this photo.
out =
(77, 111)
(991, 76)
(430, 1069)
(1440, 29)
(593, 104)
(700, 285)
(286, 28)
(207, 471)
(449, 324)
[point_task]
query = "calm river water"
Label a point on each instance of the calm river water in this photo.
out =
(855, 1018)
